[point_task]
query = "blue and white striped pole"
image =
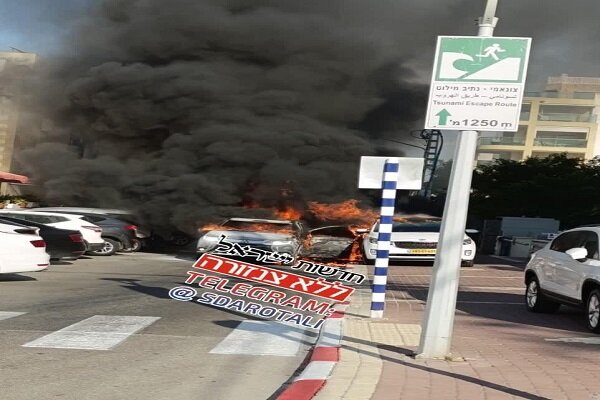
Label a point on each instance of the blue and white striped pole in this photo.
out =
(386, 220)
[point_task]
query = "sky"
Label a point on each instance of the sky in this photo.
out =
(38, 26)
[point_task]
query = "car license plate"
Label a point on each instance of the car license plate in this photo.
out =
(421, 251)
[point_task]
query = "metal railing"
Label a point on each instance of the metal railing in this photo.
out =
(510, 141)
(560, 142)
(567, 117)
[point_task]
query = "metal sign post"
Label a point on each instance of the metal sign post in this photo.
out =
(389, 174)
(438, 321)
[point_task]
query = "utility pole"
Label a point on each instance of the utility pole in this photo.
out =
(438, 321)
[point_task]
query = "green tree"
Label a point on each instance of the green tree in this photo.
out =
(553, 187)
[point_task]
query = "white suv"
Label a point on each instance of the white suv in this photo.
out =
(567, 271)
(414, 238)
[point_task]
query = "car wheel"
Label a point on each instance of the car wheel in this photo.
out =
(110, 248)
(136, 245)
(593, 311)
(535, 300)
(469, 263)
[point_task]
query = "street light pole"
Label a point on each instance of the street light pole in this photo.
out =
(438, 321)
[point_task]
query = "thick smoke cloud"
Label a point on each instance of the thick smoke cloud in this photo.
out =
(184, 110)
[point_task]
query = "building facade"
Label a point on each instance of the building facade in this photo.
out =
(15, 67)
(562, 119)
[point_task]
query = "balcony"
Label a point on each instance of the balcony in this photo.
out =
(567, 117)
(506, 141)
(560, 142)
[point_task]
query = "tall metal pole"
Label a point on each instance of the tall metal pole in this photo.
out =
(438, 321)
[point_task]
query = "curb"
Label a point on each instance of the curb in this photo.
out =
(324, 356)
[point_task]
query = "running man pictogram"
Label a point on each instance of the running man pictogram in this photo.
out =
(491, 51)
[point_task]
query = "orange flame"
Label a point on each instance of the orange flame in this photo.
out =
(288, 213)
(345, 211)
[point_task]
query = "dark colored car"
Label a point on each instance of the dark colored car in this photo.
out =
(141, 234)
(117, 234)
(60, 243)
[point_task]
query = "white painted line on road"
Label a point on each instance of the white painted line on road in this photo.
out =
(9, 314)
(585, 340)
(261, 338)
(100, 332)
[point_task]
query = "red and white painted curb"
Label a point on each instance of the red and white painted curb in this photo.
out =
(325, 355)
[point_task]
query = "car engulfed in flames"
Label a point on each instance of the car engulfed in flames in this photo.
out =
(338, 244)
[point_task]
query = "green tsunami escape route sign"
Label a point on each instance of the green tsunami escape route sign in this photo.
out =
(477, 83)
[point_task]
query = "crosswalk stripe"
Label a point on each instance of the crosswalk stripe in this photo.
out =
(9, 314)
(100, 332)
(261, 338)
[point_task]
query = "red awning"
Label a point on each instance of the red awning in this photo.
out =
(13, 178)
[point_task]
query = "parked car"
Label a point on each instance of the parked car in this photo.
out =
(566, 271)
(282, 236)
(60, 243)
(21, 250)
(414, 239)
(117, 234)
(92, 233)
(141, 234)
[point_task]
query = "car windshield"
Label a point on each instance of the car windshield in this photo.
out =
(259, 226)
(424, 226)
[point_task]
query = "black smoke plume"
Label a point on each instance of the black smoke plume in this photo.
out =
(187, 111)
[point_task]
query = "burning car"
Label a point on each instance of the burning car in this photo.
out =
(339, 243)
(281, 236)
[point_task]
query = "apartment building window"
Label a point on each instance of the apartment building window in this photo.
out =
(525, 112)
(557, 138)
(504, 138)
(566, 113)
(584, 95)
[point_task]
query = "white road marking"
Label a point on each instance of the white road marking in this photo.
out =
(9, 314)
(585, 340)
(100, 332)
(261, 338)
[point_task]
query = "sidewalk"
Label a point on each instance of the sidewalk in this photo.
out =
(500, 351)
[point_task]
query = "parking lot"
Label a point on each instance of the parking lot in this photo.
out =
(153, 347)
(139, 343)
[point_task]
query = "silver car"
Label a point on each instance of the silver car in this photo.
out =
(281, 236)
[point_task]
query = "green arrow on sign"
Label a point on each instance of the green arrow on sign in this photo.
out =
(444, 114)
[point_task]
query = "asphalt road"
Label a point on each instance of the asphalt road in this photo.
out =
(178, 350)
